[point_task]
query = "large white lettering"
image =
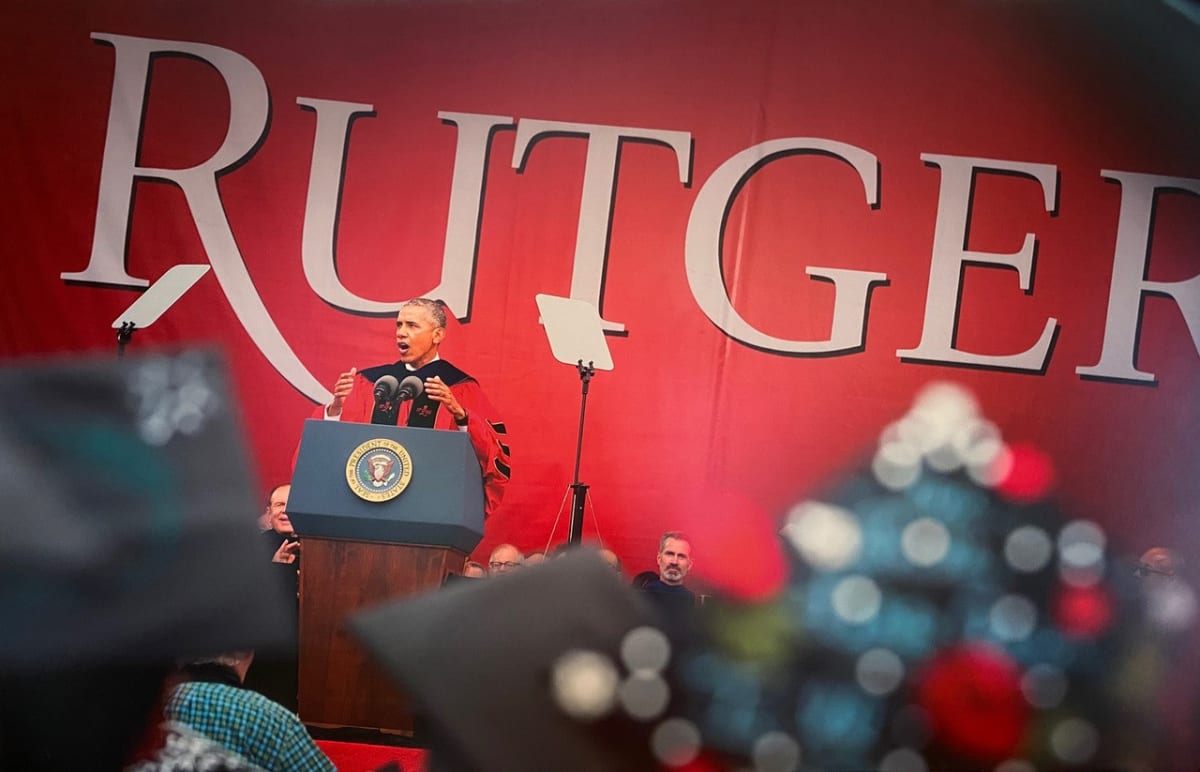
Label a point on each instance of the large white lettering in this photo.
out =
(702, 249)
(249, 106)
(595, 205)
(248, 120)
(318, 250)
(950, 254)
(325, 192)
(1129, 285)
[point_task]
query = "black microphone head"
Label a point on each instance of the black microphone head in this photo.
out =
(386, 388)
(411, 388)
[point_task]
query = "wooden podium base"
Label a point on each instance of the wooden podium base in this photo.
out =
(339, 686)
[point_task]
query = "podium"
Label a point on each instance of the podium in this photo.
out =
(360, 549)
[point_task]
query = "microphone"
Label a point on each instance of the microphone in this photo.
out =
(386, 388)
(410, 388)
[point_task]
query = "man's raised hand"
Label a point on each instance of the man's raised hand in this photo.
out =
(341, 390)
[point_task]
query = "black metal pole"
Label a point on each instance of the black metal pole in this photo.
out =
(585, 376)
(578, 497)
(578, 489)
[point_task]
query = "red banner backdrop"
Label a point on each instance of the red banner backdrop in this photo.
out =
(796, 213)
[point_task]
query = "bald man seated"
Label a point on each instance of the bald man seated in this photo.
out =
(503, 559)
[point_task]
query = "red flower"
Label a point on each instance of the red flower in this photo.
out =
(972, 695)
(1030, 475)
(1082, 612)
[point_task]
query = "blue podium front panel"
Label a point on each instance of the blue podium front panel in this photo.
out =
(441, 505)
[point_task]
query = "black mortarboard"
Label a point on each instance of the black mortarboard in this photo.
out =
(479, 658)
(126, 503)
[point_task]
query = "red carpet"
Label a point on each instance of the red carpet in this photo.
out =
(356, 757)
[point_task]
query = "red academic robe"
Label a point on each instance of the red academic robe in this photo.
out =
(485, 431)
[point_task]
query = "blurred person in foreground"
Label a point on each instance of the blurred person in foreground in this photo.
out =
(142, 555)
(213, 701)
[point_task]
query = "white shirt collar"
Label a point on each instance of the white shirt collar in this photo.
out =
(412, 369)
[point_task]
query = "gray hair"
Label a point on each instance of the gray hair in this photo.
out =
(228, 659)
(435, 308)
(677, 535)
(513, 547)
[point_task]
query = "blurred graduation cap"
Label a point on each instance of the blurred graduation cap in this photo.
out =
(483, 659)
(126, 503)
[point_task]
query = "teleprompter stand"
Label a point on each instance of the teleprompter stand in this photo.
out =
(579, 490)
(574, 330)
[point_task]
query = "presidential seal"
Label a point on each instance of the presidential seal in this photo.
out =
(379, 470)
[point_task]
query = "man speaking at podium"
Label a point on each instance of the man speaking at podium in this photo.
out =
(440, 397)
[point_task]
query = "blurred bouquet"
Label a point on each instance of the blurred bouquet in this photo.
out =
(938, 611)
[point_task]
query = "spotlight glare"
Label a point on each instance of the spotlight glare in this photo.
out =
(829, 538)
(856, 599)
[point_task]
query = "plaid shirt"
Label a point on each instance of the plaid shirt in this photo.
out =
(261, 731)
